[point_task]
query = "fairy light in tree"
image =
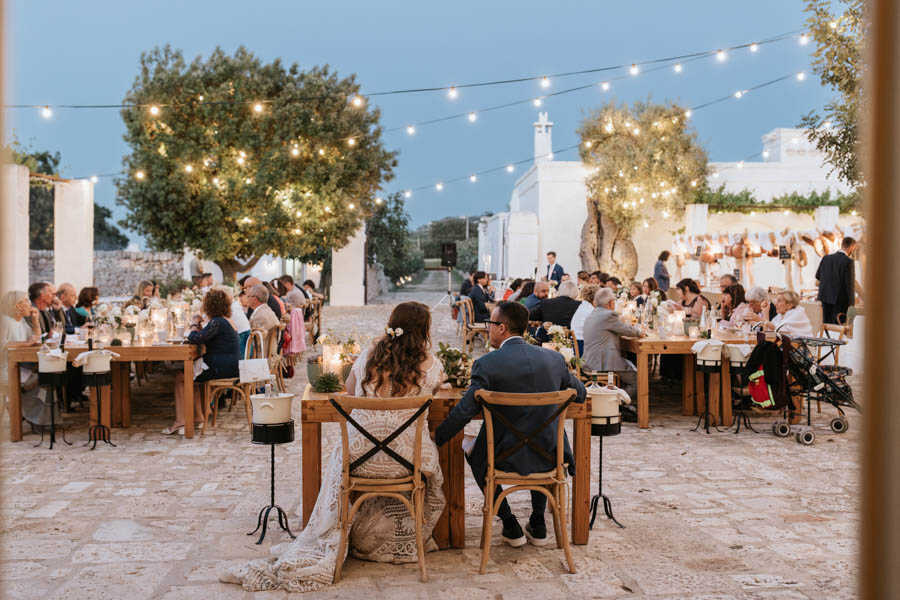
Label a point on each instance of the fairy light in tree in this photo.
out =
(246, 220)
(200, 98)
(351, 206)
(587, 144)
(473, 117)
(545, 82)
(154, 110)
(241, 160)
(327, 208)
(295, 151)
(634, 70)
(297, 231)
(351, 142)
(321, 151)
(804, 39)
(188, 168)
(609, 127)
(46, 112)
(407, 194)
(258, 107)
(721, 56)
(357, 101)
(378, 200)
(833, 24)
(248, 180)
(215, 180)
(140, 175)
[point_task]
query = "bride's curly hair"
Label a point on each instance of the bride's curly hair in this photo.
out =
(395, 361)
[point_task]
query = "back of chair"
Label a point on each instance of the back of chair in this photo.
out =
(256, 344)
(715, 298)
(468, 310)
(814, 313)
(345, 404)
(674, 294)
(562, 399)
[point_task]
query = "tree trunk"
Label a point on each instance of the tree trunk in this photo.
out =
(232, 266)
(605, 247)
(590, 239)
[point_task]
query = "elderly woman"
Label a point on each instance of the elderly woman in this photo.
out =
(19, 323)
(583, 312)
(602, 331)
(221, 356)
(691, 298)
(791, 318)
(759, 303)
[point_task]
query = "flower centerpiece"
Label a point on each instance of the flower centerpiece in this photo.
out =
(457, 365)
(562, 342)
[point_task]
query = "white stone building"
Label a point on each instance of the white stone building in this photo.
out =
(547, 206)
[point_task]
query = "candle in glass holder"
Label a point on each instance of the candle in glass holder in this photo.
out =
(331, 358)
(693, 332)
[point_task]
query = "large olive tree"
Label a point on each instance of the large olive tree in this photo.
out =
(235, 158)
(645, 163)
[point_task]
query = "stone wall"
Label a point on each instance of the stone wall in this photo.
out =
(116, 272)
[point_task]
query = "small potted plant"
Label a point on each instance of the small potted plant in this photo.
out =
(457, 365)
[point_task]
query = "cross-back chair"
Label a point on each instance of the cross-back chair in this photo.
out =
(410, 489)
(470, 328)
(214, 388)
(551, 483)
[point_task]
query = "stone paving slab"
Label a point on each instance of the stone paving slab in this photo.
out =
(722, 516)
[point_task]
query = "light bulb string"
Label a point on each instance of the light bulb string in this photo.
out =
(444, 88)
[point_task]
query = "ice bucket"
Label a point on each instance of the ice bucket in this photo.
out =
(270, 410)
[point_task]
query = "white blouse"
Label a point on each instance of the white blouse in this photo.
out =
(793, 322)
(581, 314)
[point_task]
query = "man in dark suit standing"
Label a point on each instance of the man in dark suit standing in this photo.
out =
(554, 271)
(837, 282)
(515, 367)
(480, 295)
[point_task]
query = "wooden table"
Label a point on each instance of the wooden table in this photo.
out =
(450, 530)
(119, 408)
(692, 393)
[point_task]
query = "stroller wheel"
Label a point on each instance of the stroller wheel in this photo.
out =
(840, 425)
(807, 438)
(781, 429)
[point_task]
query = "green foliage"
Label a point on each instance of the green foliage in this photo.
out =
(642, 159)
(299, 189)
(328, 383)
(40, 204)
(452, 229)
(173, 286)
(387, 239)
(720, 200)
(838, 60)
(467, 253)
(457, 364)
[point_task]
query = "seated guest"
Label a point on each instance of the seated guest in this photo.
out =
(273, 293)
(742, 311)
(634, 290)
(142, 295)
(584, 310)
(691, 299)
(294, 295)
(763, 310)
(791, 319)
(558, 311)
(238, 318)
(67, 297)
(513, 287)
(310, 288)
(602, 345)
(594, 278)
(614, 283)
(481, 293)
(647, 286)
(727, 280)
(515, 367)
(523, 292)
(540, 293)
(19, 322)
(261, 314)
(84, 308)
(467, 284)
(221, 357)
(43, 297)
(249, 282)
(584, 278)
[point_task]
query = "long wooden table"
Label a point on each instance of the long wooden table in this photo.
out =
(693, 395)
(450, 530)
(119, 406)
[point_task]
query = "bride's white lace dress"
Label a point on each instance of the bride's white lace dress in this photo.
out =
(383, 529)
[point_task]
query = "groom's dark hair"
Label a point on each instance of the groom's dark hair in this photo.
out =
(514, 315)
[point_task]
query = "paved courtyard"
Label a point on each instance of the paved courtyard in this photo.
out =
(715, 517)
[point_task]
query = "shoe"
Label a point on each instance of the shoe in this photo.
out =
(512, 533)
(173, 430)
(537, 534)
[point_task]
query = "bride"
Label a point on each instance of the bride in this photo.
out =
(398, 364)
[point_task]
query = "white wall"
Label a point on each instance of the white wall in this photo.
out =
(562, 213)
(73, 233)
(348, 272)
(14, 237)
(522, 245)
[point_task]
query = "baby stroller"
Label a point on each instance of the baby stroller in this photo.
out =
(761, 386)
(813, 381)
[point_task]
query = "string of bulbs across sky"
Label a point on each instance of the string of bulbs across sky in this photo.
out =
(675, 63)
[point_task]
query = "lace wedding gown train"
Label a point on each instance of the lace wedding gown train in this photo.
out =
(383, 530)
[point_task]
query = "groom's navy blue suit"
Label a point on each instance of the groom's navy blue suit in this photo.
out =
(516, 367)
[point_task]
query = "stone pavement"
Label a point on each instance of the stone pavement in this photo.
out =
(715, 517)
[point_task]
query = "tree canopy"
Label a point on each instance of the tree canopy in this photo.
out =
(236, 158)
(838, 61)
(644, 162)
(388, 241)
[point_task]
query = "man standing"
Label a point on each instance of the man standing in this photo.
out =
(837, 283)
(515, 367)
(481, 294)
(541, 291)
(554, 271)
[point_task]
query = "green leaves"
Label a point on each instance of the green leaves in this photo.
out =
(245, 158)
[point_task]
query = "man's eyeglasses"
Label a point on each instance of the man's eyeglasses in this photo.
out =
(498, 323)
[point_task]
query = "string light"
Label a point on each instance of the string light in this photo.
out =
(241, 160)
(537, 102)
(410, 130)
(721, 55)
(688, 113)
(351, 206)
(439, 186)
(740, 165)
(510, 168)
(188, 168)
(605, 86)
(472, 117)
(739, 94)
(587, 144)
(215, 180)
(473, 178)
(357, 101)
(765, 154)
(46, 112)
(379, 200)
(545, 82)
(452, 93)
(754, 47)
(321, 151)
(200, 98)
(801, 76)
(248, 180)
(833, 25)
(295, 151)
(634, 70)
(351, 142)
(154, 110)
(407, 194)
(677, 68)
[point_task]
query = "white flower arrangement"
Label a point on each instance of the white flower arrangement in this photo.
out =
(133, 310)
(556, 330)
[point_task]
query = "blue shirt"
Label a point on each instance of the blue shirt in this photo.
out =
(661, 275)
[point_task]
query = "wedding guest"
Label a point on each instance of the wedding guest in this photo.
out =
(554, 271)
(540, 293)
(513, 287)
(837, 281)
(742, 310)
(467, 284)
(250, 282)
(691, 298)
(400, 364)
(515, 367)
(19, 322)
(155, 288)
(43, 297)
(726, 281)
(273, 293)
(310, 288)
(238, 319)
(634, 290)
(294, 295)
(260, 314)
(481, 293)
(660, 272)
(763, 310)
(221, 357)
(67, 297)
(84, 308)
(603, 277)
(143, 294)
(602, 340)
(614, 283)
(726, 306)
(791, 319)
(584, 310)
(566, 277)
(524, 292)
(647, 287)
(558, 311)
(584, 278)
(594, 278)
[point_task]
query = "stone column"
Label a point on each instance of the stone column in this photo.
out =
(348, 272)
(73, 233)
(14, 235)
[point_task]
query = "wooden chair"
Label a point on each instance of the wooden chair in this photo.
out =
(214, 388)
(471, 329)
(355, 490)
(551, 483)
(816, 318)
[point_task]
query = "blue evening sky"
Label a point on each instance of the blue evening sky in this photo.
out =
(87, 52)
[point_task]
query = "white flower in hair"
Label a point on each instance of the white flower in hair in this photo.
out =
(394, 333)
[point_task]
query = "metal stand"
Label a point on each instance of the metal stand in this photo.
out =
(263, 518)
(98, 432)
(705, 417)
(54, 386)
(448, 297)
(595, 501)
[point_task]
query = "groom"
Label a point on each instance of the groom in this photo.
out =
(516, 367)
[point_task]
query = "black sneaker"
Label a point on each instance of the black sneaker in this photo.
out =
(537, 534)
(512, 533)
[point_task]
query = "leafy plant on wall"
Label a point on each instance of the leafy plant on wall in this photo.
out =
(645, 163)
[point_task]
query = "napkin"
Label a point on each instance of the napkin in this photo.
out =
(82, 358)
